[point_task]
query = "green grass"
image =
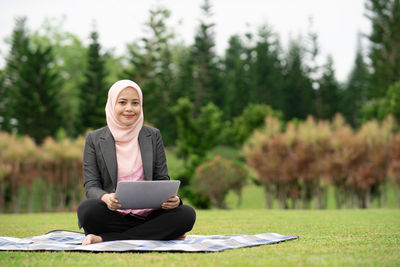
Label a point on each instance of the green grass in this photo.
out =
(327, 237)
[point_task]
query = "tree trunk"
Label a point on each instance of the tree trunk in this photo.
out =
(366, 199)
(321, 197)
(338, 198)
(240, 199)
(268, 196)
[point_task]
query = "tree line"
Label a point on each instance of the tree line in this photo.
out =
(297, 163)
(52, 83)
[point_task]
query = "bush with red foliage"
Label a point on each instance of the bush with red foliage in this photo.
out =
(215, 178)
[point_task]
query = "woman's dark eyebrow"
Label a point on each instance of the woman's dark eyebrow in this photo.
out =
(121, 98)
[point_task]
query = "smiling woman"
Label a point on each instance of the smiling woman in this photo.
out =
(125, 150)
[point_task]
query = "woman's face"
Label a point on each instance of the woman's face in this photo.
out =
(127, 109)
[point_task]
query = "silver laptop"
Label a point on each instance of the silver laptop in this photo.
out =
(145, 194)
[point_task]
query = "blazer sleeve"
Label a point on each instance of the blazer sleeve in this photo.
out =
(91, 175)
(160, 170)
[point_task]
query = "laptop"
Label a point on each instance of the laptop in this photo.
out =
(145, 194)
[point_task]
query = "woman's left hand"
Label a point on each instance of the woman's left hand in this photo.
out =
(171, 203)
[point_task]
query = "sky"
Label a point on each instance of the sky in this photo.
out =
(338, 23)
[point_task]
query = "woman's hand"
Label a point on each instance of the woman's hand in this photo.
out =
(111, 202)
(171, 203)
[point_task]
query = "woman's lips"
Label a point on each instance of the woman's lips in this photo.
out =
(128, 116)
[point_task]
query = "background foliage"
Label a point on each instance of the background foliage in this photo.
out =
(53, 86)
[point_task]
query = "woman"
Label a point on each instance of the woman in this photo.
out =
(127, 150)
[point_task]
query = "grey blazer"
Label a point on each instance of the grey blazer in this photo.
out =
(100, 160)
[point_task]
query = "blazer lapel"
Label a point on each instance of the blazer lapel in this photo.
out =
(146, 150)
(107, 146)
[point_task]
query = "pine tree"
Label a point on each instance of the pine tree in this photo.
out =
(32, 86)
(329, 91)
(184, 74)
(197, 135)
(313, 67)
(151, 65)
(299, 97)
(70, 57)
(355, 94)
(234, 76)
(16, 56)
(205, 72)
(267, 70)
(93, 92)
(385, 44)
(37, 100)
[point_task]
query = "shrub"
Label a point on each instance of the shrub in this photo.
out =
(22, 163)
(215, 178)
(299, 162)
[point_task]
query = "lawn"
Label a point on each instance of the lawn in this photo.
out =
(327, 237)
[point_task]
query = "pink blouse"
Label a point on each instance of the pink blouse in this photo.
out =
(137, 176)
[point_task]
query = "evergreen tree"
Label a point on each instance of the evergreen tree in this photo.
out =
(197, 135)
(16, 56)
(187, 129)
(93, 92)
(151, 65)
(355, 94)
(235, 91)
(70, 58)
(385, 44)
(267, 70)
(329, 91)
(37, 99)
(299, 95)
(250, 57)
(32, 86)
(313, 68)
(184, 74)
(205, 72)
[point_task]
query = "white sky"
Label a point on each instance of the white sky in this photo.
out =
(337, 22)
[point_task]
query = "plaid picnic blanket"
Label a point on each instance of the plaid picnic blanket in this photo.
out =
(70, 241)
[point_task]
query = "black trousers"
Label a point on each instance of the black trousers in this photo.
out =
(96, 218)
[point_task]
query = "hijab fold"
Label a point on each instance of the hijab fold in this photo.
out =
(129, 159)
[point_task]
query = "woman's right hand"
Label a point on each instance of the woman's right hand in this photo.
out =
(111, 202)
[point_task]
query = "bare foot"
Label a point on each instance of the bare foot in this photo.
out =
(91, 239)
(182, 237)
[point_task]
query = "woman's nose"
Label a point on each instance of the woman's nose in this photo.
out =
(129, 107)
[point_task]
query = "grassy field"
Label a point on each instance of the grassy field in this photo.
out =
(327, 237)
